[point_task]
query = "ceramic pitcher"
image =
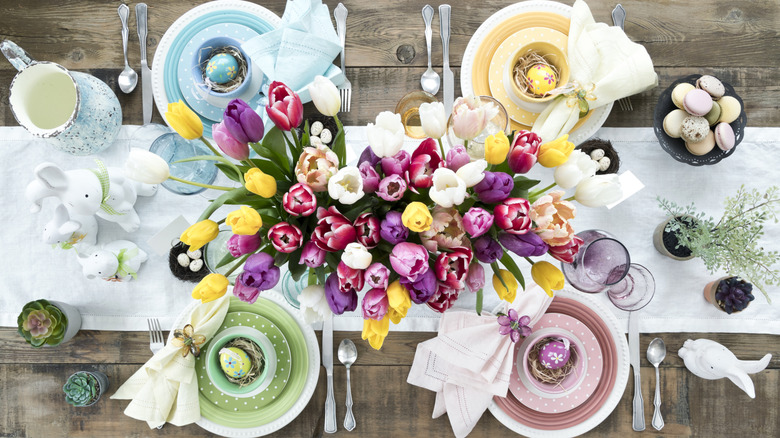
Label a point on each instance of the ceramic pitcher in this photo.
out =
(75, 112)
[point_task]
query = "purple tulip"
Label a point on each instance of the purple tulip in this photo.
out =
(377, 276)
(524, 245)
(391, 188)
(398, 164)
(487, 250)
(312, 256)
(259, 272)
(409, 260)
(375, 304)
(495, 187)
(392, 228)
(244, 124)
(369, 156)
(370, 177)
(477, 221)
(423, 289)
(457, 157)
(338, 301)
(475, 280)
(245, 293)
(239, 245)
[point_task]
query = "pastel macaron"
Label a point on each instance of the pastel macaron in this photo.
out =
(702, 147)
(679, 92)
(724, 136)
(714, 114)
(673, 123)
(694, 129)
(697, 102)
(730, 109)
(711, 85)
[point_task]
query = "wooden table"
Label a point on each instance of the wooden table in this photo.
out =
(735, 41)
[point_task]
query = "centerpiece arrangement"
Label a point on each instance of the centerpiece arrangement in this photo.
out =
(411, 224)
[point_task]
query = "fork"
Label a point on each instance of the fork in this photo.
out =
(341, 28)
(619, 19)
(156, 339)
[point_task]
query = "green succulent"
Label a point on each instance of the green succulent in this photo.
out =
(41, 322)
(81, 389)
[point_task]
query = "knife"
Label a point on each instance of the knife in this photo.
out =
(449, 79)
(327, 362)
(146, 73)
(633, 352)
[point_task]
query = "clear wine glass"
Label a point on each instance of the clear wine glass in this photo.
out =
(635, 290)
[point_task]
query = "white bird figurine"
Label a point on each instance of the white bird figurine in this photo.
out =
(712, 361)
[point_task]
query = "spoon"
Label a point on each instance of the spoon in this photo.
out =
(128, 78)
(656, 352)
(430, 79)
(347, 356)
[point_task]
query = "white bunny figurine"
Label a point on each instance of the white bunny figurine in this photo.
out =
(85, 192)
(712, 361)
(116, 261)
(68, 231)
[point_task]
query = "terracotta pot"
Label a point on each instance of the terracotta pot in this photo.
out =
(658, 241)
(709, 293)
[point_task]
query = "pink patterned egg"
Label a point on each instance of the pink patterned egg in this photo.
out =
(555, 354)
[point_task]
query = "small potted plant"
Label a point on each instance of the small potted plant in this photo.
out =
(84, 388)
(729, 244)
(51, 323)
(729, 294)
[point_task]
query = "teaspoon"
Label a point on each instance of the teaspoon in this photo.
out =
(430, 80)
(656, 352)
(128, 79)
(348, 356)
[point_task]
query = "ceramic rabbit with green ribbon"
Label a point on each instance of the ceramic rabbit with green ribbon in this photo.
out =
(119, 260)
(101, 191)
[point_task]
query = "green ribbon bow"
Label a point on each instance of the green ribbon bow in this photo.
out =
(123, 258)
(102, 175)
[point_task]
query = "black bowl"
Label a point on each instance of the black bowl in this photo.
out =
(676, 146)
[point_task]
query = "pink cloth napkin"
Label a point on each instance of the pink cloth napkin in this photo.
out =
(469, 362)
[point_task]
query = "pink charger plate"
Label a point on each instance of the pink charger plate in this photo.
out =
(556, 421)
(561, 403)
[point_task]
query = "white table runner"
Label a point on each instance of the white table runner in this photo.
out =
(31, 269)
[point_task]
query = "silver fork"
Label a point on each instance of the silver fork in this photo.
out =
(341, 28)
(156, 339)
(619, 19)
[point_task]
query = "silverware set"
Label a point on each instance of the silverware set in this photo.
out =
(656, 353)
(430, 80)
(347, 354)
(128, 78)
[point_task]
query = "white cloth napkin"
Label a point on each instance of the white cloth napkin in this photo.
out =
(599, 55)
(165, 388)
(469, 362)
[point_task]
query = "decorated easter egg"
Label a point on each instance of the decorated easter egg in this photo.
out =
(555, 354)
(541, 79)
(234, 362)
(222, 68)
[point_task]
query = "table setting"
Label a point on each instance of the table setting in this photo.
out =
(237, 235)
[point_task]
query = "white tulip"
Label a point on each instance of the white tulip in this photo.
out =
(577, 168)
(146, 167)
(346, 186)
(386, 137)
(448, 188)
(599, 190)
(325, 96)
(433, 119)
(356, 256)
(472, 173)
(314, 304)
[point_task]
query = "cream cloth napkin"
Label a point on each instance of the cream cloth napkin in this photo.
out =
(469, 362)
(599, 55)
(165, 388)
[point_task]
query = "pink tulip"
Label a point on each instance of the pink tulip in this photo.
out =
(299, 200)
(228, 144)
(284, 106)
(315, 167)
(245, 293)
(475, 280)
(349, 278)
(513, 216)
(369, 175)
(444, 298)
(409, 260)
(285, 237)
(469, 116)
(375, 304)
(453, 267)
(367, 228)
(239, 245)
(523, 153)
(391, 188)
(333, 231)
(377, 276)
(312, 256)
(477, 221)
(398, 164)
(425, 159)
(457, 157)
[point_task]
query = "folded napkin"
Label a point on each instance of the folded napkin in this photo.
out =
(303, 46)
(165, 388)
(604, 62)
(469, 362)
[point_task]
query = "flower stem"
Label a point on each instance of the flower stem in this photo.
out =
(206, 142)
(240, 263)
(540, 191)
(193, 183)
(441, 146)
(528, 259)
(572, 198)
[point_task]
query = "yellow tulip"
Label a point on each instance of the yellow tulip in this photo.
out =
(376, 331)
(260, 183)
(200, 234)
(509, 292)
(496, 148)
(245, 221)
(398, 301)
(547, 276)
(416, 217)
(556, 152)
(184, 121)
(210, 288)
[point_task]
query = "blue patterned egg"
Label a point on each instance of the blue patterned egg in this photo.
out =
(555, 354)
(234, 362)
(222, 68)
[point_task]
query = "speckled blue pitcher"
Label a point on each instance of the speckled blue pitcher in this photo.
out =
(75, 112)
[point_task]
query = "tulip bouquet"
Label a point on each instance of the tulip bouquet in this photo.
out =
(407, 225)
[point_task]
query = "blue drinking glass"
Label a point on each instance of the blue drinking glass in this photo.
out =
(172, 147)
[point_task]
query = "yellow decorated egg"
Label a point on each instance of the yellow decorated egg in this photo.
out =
(541, 79)
(234, 362)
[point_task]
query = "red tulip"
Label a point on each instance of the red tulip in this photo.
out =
(452, 268)
(512, 215)
(350, 278)
(367, 228)
(333, 231)
(299, 200)
(285, 237)
(444, 298)
(566, 253)
(523, 153)
(284, 106)
(425, 159)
